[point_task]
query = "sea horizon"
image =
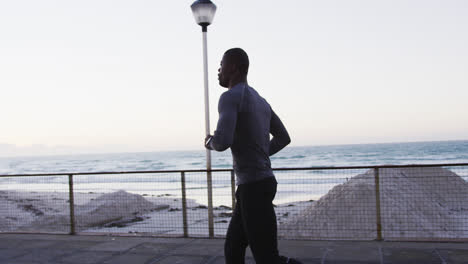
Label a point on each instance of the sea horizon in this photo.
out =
(202, 149)
(369, 154)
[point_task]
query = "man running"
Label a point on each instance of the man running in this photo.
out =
(245, 123)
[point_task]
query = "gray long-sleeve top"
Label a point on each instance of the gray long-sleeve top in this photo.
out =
(245, 123)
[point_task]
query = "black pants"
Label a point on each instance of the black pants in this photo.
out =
(253, 224)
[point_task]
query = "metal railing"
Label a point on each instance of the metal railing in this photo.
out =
(295, 226)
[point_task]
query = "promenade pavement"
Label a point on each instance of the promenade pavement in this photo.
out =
(87, 249)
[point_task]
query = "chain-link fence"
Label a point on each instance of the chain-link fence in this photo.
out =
(409, 202)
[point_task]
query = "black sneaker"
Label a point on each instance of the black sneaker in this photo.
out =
(286, 260)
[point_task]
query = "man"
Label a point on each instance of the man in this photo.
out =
(245, 123)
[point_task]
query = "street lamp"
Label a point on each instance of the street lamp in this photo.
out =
(204, 11)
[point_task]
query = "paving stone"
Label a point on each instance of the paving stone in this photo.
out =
(183, 260)
(130, 258)
(305, 252)
(34, 262)
(28, 244)
(352, 253)
(217, 260)
(74, 244)
(250, 260)
(85, 257)
(201, 250)
(27, 262)
(87, 237)
(117, 245)
(180, 240)
(454, 256)
(42, 255)
(207, 241)
(349, 262)
(152, 248)
(220, 260)
(399, 255)
(10, 243)
(312, 261)
(7, 254)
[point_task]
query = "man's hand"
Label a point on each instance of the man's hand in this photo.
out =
(208, 139)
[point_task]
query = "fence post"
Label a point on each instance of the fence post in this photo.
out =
(233, 190)
(72, 205)
(184, 204)
(210, 204)
(377, 205)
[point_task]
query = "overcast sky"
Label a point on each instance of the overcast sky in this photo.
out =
(112, 75)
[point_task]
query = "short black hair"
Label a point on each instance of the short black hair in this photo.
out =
(238, 57)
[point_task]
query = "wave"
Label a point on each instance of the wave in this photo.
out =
(298, 157)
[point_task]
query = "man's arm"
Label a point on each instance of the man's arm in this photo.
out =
(280, 134)
(224, 134)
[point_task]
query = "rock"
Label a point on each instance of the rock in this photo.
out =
(421, 202)
(106, 209)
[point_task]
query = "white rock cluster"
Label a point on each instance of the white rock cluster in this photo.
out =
(430, 202)
(105, 209)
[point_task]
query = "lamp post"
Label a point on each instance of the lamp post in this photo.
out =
(204, 11)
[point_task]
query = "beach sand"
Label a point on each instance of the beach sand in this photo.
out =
(117, 212)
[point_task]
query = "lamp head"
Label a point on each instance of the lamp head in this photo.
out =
(203, 11)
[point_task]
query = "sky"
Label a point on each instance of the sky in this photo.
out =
(127, 76)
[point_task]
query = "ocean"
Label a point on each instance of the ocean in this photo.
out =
(294, 186)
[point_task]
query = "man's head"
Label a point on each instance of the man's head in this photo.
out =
(234, 67)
